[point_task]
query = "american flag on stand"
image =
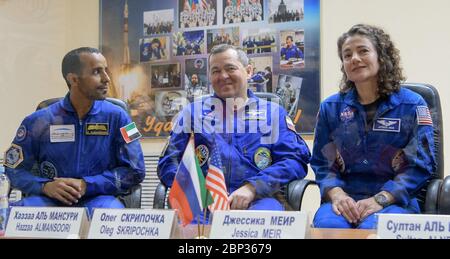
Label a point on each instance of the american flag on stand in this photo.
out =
(424, 116)
(204, 4)
(199, 4)
(215, 182)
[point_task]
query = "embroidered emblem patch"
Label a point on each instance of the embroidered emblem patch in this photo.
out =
(398, 161)
(347, 114)
(21, 133)
(263, 158)
(97, 129)
(202, 153)
(48, 170)
(13, 156)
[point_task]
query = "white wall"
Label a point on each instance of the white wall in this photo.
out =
(35, 34)
(419, 29)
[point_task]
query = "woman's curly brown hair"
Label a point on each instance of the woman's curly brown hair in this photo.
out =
(390, 73)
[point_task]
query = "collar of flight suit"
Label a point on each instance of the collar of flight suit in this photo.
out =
(251, 98)
(393, 100)
(67, 105)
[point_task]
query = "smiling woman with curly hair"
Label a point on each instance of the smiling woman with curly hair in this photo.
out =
(373, 146)
(390, 73)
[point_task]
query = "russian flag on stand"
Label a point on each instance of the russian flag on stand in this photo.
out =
(188, 194)
(194, 4)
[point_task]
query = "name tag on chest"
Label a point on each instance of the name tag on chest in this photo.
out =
(387, 124)
(255, 115)
(97, 129)
(62, 133)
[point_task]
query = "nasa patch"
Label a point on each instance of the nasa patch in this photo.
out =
(347, 114)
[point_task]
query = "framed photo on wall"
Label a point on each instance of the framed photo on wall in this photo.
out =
(157, 52)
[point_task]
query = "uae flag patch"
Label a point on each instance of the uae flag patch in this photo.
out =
(130, 133)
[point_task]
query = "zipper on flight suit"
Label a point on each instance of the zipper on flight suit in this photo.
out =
(364, 133)
(377, 115)
(80, 141)
(229, 140)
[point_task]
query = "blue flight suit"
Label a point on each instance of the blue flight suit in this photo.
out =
(395, 155)
(258, 79)
(246, 158)
(146, 53)
(197, 49)
(53, 142)
(292, 52)
(157, 53)
(180, 50)
(249, 44)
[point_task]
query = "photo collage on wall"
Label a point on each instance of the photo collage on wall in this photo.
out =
(157, 52)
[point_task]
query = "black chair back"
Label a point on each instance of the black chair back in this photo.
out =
(51, 101)
(431, 96)
(270, 97)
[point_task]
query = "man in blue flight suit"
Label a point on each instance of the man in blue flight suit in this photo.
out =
(291, 51)
(256, 163)
(257, 80)
(249, 44)
(72, 153)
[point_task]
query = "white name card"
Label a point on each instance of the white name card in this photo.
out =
(252, 224)
(407, 226)
(43, 222)
(131, 224)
